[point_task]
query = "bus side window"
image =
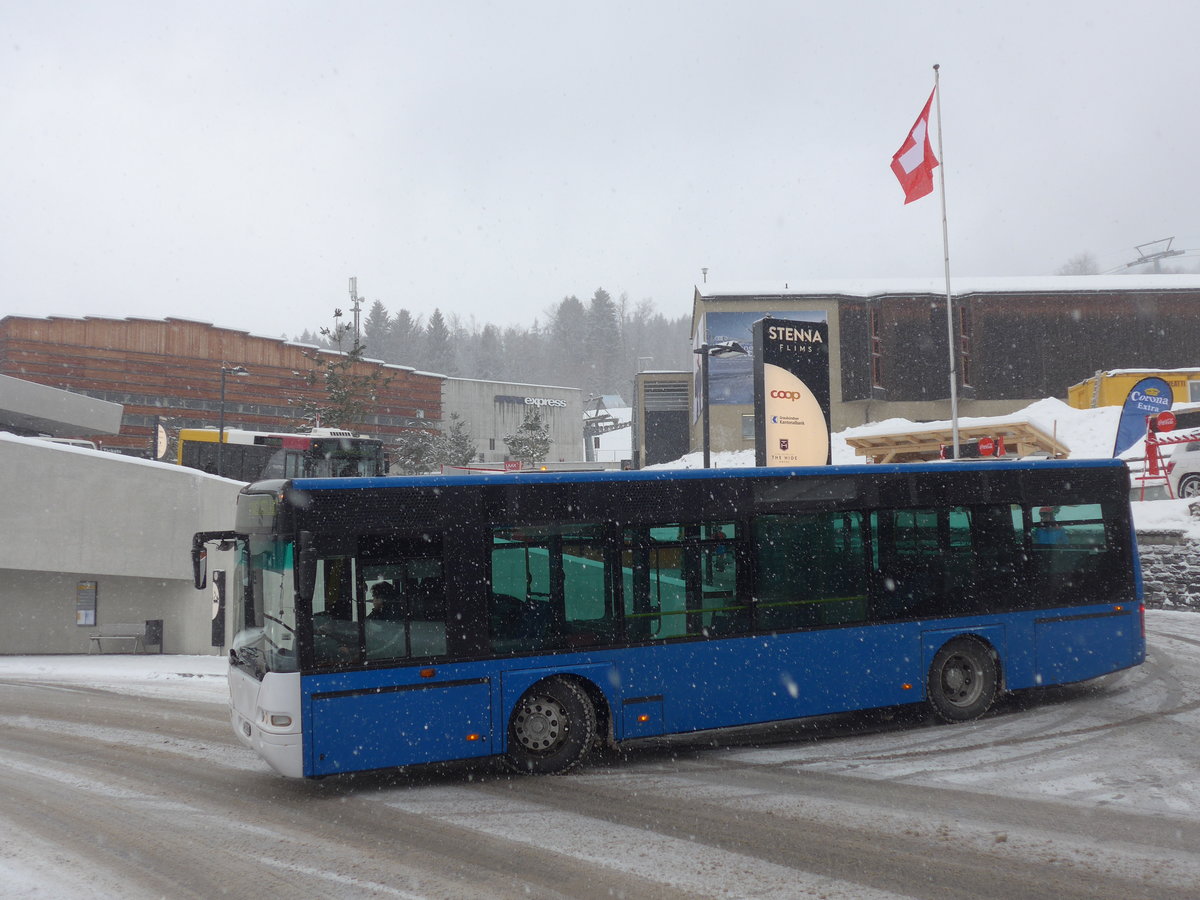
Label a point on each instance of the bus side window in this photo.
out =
(335, 616)
(520, 613)
(407, 605)
(913, 552)
(589, 604)
(810, 570)
(293, 464)
(681, 580)
(552, 588)
(723, 612)
(994, 578)
(1071, 554)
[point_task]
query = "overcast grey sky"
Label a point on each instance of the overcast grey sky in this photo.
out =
(237, 162)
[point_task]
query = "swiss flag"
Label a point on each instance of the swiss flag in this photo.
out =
(914, 162)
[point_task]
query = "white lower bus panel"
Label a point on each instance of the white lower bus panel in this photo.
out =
(266, 717)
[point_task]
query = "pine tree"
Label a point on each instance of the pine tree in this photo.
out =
(347, 392)
(604, 356)
(439, 349)
(456, 447)
(404, 340)
(568, 335)
(489, 358)
(531, 442)
(414, 453)
(376, 329)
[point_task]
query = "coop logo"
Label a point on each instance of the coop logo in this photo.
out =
(786, 395)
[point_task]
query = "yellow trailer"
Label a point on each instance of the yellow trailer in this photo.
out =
(1111, 388)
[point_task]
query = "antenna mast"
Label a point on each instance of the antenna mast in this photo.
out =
(355, 304)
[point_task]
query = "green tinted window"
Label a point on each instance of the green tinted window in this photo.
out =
(552, 588)
(811, 570)
(681, 580)
(947, 561)
(1072, 555)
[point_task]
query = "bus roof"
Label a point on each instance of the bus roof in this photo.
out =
(659, 475)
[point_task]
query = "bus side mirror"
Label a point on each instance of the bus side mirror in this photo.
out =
(306, 567)
(199, 563)
(200, 540)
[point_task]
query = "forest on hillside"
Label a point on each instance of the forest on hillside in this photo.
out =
(596, 346)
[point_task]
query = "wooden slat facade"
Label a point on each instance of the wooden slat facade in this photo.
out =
(171, 369)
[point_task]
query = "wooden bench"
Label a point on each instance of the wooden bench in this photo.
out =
(132, 636)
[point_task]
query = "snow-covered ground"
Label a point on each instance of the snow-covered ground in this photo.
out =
(1121, 746)
(195, 678)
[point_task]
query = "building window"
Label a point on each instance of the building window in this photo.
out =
(1194, 392)
(876, 349)
(964, 344)
(748, 427)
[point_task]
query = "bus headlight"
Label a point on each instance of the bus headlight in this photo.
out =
(275, 720)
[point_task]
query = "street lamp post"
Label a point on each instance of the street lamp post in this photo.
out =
(720, 350)
(225, 370)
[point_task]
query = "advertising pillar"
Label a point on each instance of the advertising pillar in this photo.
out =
(791, 393)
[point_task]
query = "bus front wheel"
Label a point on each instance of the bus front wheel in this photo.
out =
(551, 730)
(962, 680)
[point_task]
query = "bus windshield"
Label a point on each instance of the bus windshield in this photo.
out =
(263, 606)
(256, 456)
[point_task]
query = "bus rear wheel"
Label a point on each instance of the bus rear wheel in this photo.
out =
(962, 680)
(551, 730)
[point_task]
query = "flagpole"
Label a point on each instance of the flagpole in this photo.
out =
(946, 259)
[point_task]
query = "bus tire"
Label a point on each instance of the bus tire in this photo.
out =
(551, 730)
(963, 680)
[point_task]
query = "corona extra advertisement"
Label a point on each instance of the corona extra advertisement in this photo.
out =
(791, 393)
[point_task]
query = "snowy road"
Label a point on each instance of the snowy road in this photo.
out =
(119, 779)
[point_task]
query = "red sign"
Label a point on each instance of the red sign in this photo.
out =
(987, 446)
(512, 465)
(1166, 420)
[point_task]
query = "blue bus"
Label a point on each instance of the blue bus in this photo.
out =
(380, 623)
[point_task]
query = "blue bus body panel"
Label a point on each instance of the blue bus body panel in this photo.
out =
(373, 720)
(396, 717)
(1079, 644)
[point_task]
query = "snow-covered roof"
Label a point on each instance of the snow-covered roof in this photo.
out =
(1111, 372)
(1014, 284)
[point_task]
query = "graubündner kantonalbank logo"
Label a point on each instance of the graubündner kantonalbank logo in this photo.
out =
(791, 393)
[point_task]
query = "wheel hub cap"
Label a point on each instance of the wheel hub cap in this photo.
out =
(539, 724)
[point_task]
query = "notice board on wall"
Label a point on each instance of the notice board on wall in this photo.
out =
(85, 602)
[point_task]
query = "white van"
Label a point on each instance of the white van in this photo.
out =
(1183, 470)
